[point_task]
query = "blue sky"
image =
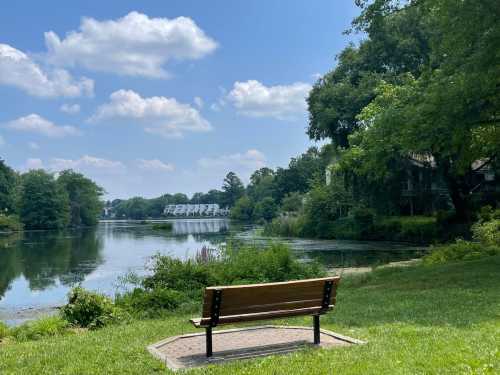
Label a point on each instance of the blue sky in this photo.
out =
(157, 97)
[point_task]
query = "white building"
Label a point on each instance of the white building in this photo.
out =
(210, 209)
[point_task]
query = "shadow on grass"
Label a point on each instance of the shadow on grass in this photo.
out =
(458, 294)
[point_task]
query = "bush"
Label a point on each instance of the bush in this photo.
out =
(10, 223)
(150, 301)
(487, 232)
(421, 229)
(37, 329)
(285, 226)
(89, 309)
(460, 250)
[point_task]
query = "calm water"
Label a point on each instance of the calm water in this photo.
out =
(38, 268)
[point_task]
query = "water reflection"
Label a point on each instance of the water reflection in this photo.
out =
(42, 258)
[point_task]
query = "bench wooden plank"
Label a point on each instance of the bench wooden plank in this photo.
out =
(268, 297)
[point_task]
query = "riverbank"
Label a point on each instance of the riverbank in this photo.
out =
(416, 319)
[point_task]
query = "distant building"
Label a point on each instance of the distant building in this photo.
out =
(206, 209)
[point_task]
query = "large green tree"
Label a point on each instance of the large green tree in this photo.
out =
(232, 188)
(84, 198)
(44, 204)
(8, 183)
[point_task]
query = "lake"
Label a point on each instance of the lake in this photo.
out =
(38, 268)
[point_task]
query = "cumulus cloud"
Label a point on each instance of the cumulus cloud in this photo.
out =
(18, 70)
(159, 115)
(282, 102)
(198, 102)
(85, 163)
(134, 45)
(155, 165)
(37, 124)
(251, 159)
(70, 108)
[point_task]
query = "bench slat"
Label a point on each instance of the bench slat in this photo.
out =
(205, 322)
(262, 298)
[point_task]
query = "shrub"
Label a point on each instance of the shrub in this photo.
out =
(37, 329)
(285, 226)
(421, 229)
(252, 265)
(188, 276)
(460, 250)
(89, 309)
(487, 232)
(150, 301)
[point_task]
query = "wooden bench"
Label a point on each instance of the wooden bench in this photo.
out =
(242, 303)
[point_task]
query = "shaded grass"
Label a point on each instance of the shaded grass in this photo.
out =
(421, 319)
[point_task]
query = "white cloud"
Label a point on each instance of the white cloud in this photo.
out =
(33, 145)
(198, 102)
(33, 163)
(134, 45)
(282, 102)
(37, 124)
(70, 108)
(86, 163)
(19, 70)
(155, 165)
(252, 159)
(159, 115)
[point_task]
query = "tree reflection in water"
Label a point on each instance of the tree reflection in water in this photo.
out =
(46, 257)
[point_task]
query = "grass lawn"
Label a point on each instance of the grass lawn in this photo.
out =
(418, 320)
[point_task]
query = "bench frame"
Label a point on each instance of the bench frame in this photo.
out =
(328, 288)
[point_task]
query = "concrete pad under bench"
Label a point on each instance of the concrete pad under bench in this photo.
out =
(188, 351)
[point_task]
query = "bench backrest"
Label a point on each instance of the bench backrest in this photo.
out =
(229, 304)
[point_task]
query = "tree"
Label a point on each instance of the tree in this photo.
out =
(243, 209)
(265, 209)
(44, 204)
(232, 188)
(84, 198)
(8, 183)
(449, 115)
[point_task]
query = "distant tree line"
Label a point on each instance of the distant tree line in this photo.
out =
(41, 200)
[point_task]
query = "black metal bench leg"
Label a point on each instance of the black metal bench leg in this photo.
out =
(209, 341)
(316, 330)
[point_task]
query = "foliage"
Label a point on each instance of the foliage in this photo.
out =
(266, 209)
(38, 329)
(243, 209)
(84, 196)
(150, 302)
(487, 229)
(232, 188)
(286, 226)
(44, 203)
(89, 309)
(10, 223)
(292, 202)
(460, 250)
(8, 184)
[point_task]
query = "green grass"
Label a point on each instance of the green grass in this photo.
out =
(417, 320)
